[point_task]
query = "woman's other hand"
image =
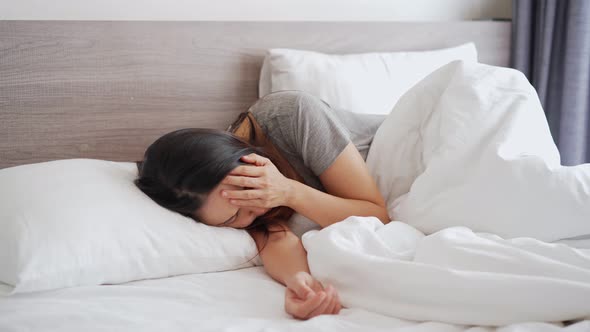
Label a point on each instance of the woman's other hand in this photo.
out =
(305, 297)
(264, 185)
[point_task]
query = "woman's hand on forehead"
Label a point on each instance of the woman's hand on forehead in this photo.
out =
(265, 186)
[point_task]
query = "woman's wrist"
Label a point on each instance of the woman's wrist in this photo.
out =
(289, 279)
(291, 197)
(293, 279)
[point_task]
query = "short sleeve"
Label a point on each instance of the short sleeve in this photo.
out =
(319, 136)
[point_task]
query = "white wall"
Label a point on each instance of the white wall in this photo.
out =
(256, 10)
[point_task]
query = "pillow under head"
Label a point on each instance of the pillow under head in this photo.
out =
(84, 222)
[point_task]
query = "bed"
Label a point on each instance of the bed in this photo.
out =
(106, 90)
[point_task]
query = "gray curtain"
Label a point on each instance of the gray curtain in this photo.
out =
(551, 46)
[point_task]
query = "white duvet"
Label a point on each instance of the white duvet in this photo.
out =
(469, 170)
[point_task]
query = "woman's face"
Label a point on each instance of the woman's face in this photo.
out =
(218, 211)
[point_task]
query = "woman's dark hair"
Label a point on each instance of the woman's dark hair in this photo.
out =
(181, 168)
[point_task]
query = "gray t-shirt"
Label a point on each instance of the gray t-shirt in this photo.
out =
(311, 135)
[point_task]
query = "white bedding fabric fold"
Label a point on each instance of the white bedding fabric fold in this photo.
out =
(468, 146)
(454, 276)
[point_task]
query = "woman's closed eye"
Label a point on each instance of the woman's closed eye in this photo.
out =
(230, 220)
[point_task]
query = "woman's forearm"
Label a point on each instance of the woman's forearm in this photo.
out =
(285, 260)
(283, 255)
(326, 209)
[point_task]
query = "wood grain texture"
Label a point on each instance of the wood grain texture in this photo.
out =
(99, 89)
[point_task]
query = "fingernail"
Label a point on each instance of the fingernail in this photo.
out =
(224, 194)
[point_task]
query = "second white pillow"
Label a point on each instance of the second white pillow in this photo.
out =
(368, 83)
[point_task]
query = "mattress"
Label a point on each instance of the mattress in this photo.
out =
(240, 300)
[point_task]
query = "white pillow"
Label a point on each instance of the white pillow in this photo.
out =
(362, 83)
(84, 222)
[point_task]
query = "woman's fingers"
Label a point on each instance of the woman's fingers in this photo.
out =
(316, 301)
(322, 308)
(327, 305)
(305, 297)
(334, 301)
(303, 309)
(241, 181)
(255, 159)
(330, 306)
(338, 304)
(242, 194)
(276, 187)
(248, 171)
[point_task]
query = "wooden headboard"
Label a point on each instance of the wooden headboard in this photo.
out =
(100, 89)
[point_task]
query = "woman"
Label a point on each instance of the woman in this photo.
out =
(221, 180)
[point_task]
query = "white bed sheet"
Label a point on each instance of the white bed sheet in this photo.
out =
(241, 300)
